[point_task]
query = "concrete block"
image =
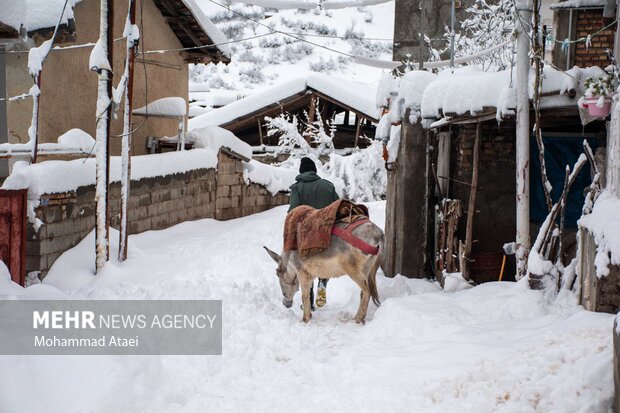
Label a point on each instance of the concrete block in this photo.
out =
(223, 191)
(223, 203)
(235, 190)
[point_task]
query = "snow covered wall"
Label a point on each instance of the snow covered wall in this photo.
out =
(166, 189)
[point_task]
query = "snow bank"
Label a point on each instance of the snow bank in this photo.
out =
(61, 176)
(214, 137)
(171, 106)
(275, 179)
(356, 95)
(604, 224)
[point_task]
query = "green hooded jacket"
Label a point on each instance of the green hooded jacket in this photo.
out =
(311, 190)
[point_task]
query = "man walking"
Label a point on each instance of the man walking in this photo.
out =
(318, 193)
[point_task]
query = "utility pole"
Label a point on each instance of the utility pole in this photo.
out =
(524, 13)
(407, 215)
(127, 132)
(104, 114)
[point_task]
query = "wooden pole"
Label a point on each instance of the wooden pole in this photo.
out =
(104, 113)
(471, 209)
(126, 140)
(35, 117)
(358, 129)
(260, 131)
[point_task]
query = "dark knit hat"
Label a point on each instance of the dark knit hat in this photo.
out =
(307, 165)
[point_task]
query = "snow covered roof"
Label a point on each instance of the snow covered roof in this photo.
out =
(193, 29)
(578, 4)
(35, 14)
(469, 90)
(359, 97)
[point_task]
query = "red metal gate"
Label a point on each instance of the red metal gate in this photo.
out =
(13, 232)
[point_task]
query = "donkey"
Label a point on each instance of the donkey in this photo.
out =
(339, 259)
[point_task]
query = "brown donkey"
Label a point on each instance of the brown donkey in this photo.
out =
(341, 258)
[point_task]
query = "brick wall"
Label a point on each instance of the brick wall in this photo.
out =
(154, 203)
(588, 22)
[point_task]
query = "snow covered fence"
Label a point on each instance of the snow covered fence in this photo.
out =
(163, 193)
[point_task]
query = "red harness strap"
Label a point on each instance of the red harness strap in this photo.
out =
(346, 234)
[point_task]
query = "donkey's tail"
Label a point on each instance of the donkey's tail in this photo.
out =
(372, 282)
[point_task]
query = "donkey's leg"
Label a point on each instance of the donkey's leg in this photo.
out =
(364, 298)
(305, 283)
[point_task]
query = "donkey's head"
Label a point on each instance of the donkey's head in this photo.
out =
(289, 284)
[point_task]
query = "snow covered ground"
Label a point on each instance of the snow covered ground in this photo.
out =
(268, 58)
(492, 348)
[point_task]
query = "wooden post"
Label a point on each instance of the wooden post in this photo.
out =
(104, 114)
(35, 117)
(260, 131)
(471, 208)
(358, 129)
(126, 139)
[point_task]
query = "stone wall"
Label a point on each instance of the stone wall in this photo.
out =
(154, 204)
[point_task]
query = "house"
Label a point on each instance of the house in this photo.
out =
(351, 104)
(172, 35)
(574, 19)
(468, 103)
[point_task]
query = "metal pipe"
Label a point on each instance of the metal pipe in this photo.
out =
(523, 138)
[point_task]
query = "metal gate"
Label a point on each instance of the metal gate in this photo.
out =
(13, 232)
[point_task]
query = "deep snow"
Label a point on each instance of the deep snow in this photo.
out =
(498, 347)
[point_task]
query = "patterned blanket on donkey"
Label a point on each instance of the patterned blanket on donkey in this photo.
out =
(309, 230)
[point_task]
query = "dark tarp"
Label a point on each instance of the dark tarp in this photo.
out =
(559, 152)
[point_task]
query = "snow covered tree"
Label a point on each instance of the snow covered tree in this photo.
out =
(490, 23)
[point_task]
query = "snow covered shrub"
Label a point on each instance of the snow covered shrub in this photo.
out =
(286, 127)
(296, 52)
(249, 56)
(251, 74)
(270, 42)
(323, 65)
(371, 49)
(351, 33)
(234, 30)
(362, 173)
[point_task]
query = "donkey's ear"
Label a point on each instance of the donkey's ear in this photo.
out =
(273, 255)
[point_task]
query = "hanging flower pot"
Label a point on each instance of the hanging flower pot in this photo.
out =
(598, 106)
(597, 97)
